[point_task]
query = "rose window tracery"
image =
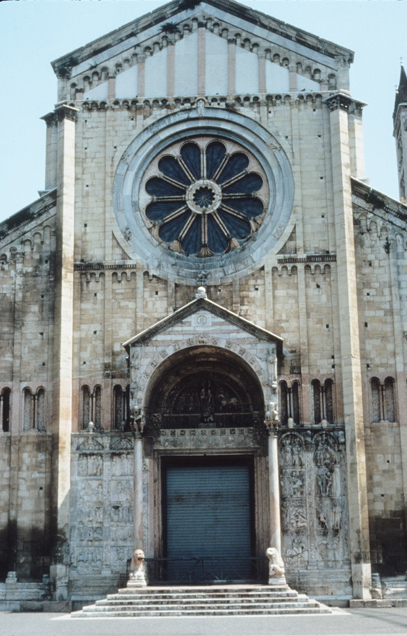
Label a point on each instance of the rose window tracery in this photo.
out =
(204, 197)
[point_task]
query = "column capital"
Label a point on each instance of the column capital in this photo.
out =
(271, 428)
(61, 112)
(66, 112)
(344, 102)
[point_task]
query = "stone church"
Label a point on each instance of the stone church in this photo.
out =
(203, 319)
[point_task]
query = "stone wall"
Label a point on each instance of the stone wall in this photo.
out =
(387, 512)
(25, 519)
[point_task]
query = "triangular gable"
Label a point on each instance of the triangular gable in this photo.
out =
(203, 304)
(91, 66)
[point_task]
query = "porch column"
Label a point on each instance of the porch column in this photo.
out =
(274, 490)
(138, 492)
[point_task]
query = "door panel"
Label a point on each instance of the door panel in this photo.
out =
(208, 514)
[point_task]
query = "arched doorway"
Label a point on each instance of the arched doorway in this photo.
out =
(205, 426)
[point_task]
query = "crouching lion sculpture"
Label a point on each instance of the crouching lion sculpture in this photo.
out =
(276, 568)
(137, 570)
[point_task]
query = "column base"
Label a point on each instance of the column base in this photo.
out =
(361, 580)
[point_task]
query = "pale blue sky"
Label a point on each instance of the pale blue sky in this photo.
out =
(32, 34)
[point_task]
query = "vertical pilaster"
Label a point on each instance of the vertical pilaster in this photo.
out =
(139, 300)
(141, 74)
(396, 252)
(111, 87)
(292, 78)
(236, 295)
(350, 348)
(357, 155)
(51, 150)
(231, 67)
(170, 71)
(262, 73)
(268, 300)
(63, 341)
(15, 423)
(201, 61)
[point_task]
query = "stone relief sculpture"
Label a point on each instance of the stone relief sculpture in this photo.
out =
(297, 554)
(314, 515)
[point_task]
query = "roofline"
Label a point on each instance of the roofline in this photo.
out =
(160, 325)
(379, 200)
(63, 64)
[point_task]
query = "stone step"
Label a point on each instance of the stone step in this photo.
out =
(202, 601)
(204, 612)
(208, 589)
(199, 606)
(192, 601)
(226, 596)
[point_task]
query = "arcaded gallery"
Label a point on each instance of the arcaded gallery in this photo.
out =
(203, 331)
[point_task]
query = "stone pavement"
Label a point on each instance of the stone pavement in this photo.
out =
(361, 622)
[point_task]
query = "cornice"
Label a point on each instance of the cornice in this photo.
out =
(223, 102)
(312, 258)
(97, 267)
(201, 303)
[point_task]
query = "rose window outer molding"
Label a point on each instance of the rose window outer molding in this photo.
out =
(204, 196)
(201, 191)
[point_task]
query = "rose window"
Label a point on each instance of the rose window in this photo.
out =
(204, 197)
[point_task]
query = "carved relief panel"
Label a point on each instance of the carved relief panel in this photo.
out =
(313, 503)
(101, 502)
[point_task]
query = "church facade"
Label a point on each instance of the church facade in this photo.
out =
(203, 334)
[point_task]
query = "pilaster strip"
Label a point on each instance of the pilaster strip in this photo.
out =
(350, 348)
(170, 70)
(201, 61)
(231, 67)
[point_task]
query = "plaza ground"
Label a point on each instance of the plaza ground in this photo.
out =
(363, 622)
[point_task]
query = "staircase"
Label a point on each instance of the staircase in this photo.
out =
(213, 600)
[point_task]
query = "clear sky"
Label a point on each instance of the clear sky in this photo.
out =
(32, 34)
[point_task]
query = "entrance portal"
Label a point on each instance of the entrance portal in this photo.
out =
(208, 519)
(206, 448)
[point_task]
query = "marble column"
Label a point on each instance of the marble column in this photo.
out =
(138, 492)
(274, 490)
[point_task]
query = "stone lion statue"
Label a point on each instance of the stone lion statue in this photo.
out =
(276, 567)
(137, 569)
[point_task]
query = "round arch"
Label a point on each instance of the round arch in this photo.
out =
(204, 386)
